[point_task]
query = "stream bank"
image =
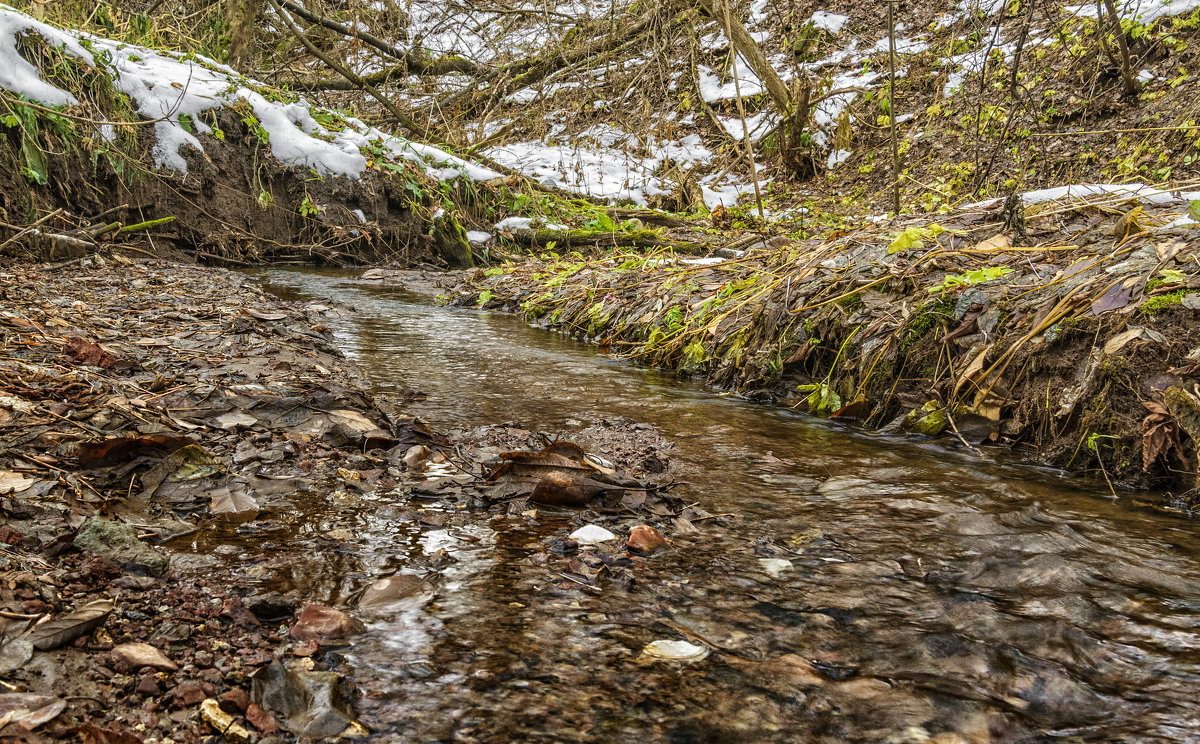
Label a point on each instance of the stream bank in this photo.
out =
(1058, 324)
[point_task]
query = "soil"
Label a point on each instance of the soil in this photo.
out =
(237, 205)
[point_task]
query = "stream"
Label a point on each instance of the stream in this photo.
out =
(931, 597)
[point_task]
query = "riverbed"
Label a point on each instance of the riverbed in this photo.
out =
(930, 595)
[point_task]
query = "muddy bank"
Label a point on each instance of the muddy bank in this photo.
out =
(145, 403)
(165, 427)
(1063, 329)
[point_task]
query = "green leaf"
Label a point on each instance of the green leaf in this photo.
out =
(484, 297)
(1194, 209)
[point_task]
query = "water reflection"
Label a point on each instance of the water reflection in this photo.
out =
(931, 597)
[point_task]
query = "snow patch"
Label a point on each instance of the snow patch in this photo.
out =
(1139, 191)
(836, 158)
(831, 22)
(604, 162)
(1144, 12)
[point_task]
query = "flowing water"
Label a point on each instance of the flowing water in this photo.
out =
(931, 596)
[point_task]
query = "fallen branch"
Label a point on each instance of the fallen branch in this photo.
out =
(416, 64)
(403, 119)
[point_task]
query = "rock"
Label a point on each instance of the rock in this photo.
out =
(148, 686)
(321, 623)
(120, 542)
(261, 720)
(222, 722)
(187, 694)
(592, 534)
(645, 539)
(235, 700)
(138, 655)
(415, 455)
(389, 590)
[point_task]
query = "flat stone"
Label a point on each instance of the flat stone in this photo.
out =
(138, 655)
(321, 623)
(120, 542)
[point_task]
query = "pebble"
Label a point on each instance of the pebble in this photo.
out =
(645, 539)
(592, 534)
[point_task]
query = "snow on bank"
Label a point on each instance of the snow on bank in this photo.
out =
(831, 22)
(166, 87)
(1140, 11)
(604, 162)
(1134, 191)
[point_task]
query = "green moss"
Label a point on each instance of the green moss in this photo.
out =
(927, 317)
(694, 357)
(1156, 305)
(849, 302)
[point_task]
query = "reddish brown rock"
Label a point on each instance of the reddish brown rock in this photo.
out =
(261, 720)
(187, 694)
(148, 686)
(321, 623)
(234, 701)
(645, 539)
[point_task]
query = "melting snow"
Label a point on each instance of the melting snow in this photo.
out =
(1141, 11)
(1140, 191)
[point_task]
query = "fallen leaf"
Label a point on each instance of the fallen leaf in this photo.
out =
(1122, 339)
(122, 449)
(11, 482)
(62, 630)
(232, 498)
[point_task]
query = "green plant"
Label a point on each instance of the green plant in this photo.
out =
(971, 278)
(308, 208)
(914, 237)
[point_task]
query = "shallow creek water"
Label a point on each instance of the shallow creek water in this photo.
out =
(938, 597)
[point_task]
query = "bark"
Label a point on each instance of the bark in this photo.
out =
(753, 54)
(1131, 85)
